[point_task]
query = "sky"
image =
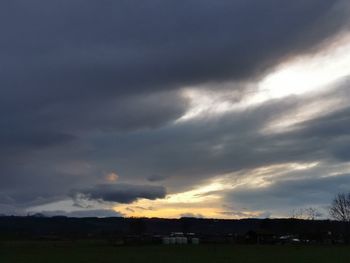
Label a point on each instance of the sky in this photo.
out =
(160, 108)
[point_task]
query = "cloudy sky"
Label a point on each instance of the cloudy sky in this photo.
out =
(226, 109)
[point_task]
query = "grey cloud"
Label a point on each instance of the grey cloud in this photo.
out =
(84, 213)
(148, 111)
(202, 148)
(64, 123)
(33, 138)
(121, 193)
(246, 214)
(334, 124)
(192, 215)
(155, 178)
(291, 193)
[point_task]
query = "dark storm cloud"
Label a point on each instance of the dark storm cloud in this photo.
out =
(120, 193)
(93, 49)
(92, 86)
(60, 123)
(33, 138)
(82, 64)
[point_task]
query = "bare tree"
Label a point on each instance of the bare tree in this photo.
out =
(340, 208)
(311, 213)
(297, 213)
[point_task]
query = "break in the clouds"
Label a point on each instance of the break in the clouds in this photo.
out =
(194, 95)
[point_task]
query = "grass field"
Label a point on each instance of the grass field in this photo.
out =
(85, 252)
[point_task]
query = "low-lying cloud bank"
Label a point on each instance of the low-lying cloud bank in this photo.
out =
(120, 193)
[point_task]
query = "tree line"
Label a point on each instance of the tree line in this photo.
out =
(339, 210)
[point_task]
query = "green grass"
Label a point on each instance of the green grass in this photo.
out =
(99, 252)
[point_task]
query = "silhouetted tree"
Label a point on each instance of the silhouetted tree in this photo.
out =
(340, 208)
(297, 213)
(311, 213)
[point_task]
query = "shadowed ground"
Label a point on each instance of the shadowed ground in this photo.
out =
(99, 252)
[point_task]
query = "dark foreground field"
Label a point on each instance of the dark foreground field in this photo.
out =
(79, 252)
